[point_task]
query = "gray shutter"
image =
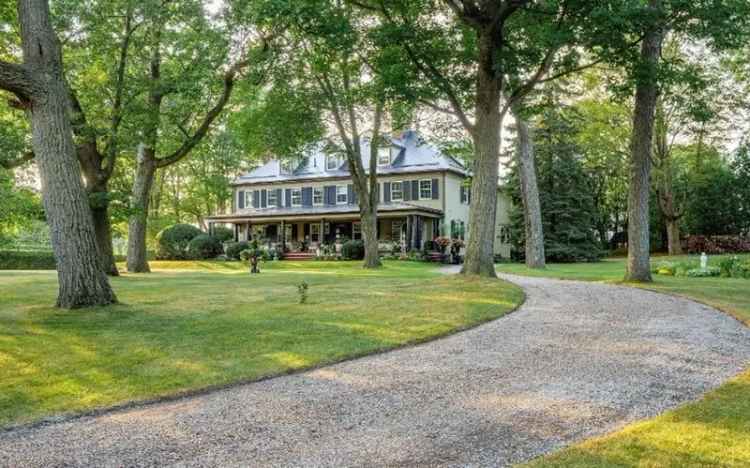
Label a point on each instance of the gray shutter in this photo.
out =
(279, 202)
(461, 192)
(415, 190)
(256, 198)
(350, 194)
(330, 194)
(264, 198)
(306, 196)
(241, 199)
(406, 190)
(288, 197)
(435, 189)
(386, 192)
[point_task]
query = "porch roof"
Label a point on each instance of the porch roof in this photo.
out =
(328, 211)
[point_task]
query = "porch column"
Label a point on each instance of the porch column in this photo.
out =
(409, 228)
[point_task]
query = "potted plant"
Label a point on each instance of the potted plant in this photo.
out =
(456, 246)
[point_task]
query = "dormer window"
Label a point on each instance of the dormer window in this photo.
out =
(333, 162)
(384, 156)
(287, 166)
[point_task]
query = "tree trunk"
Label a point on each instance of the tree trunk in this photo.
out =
(137, 260)
(370, 237)
(673, 237)
(532, 211)
(479, 259)
(641, 146)
(103, 230)
(82, 281)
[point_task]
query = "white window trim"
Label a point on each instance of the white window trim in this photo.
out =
(420, 189)
(268, 199)
(401, 197)
(249, 200)
(291, 194)
(346, 195)
(356, 230)
(336, 160)
(322, 192)
(315, 227)
(397, 231)
(390, 156)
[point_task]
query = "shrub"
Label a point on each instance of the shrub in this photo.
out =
(234, 248)
(222, 233)
(26, 260)
(733, 267)
(665, 268)
(718, 244)
(700, 273)
(173, 241)
(205, 246)
(353, 250)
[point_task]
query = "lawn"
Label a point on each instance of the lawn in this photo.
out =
(196, 325)
(714, 431)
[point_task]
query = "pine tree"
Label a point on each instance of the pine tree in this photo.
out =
(568, 211)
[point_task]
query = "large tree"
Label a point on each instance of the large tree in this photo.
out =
(719, 24)
(183, 51)
(477, 60)
(40, 87)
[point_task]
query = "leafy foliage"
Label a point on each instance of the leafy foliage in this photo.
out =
(173, 241)
(353, 250)
(204, 246)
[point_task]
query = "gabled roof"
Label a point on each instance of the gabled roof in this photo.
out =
(412, 154)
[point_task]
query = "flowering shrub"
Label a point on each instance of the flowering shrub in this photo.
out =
(442, 242)
(718, 244)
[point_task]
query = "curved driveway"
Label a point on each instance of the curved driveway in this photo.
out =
(576, 360)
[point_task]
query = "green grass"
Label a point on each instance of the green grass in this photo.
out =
(193, 325)
(714, 431)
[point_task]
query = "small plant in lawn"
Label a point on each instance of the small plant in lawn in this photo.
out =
(252, 255)
(302, 290)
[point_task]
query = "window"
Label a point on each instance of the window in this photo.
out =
(356, 230)
(396, 227)
(384, 156)
(273, 199)
(341, 194)
(296, 197)
(317, 195)
(287, 166)
(425, 189)
(465, 194)
(314, 232)
(397, 191)
(248, 199)
(332, 162)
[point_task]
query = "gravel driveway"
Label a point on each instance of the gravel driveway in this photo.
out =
(577, 359)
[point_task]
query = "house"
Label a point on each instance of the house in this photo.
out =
(299, 205)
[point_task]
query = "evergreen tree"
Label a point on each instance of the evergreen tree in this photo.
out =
(568, 211)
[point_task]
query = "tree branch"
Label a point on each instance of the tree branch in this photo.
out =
(19, 161)
(15, 79)
(229, 80)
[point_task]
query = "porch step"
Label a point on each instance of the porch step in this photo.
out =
(298, 256)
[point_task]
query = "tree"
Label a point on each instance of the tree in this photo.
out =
(40, 87)
(491, 55)
(174, 83)
(530, 200)
(567, 204)
(722, 24)
(331, 69)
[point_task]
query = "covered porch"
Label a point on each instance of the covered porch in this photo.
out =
(307, 233)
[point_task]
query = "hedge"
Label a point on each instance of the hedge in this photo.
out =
(26, 260)
(717, 244)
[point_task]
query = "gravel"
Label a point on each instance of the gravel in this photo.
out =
(576, 360)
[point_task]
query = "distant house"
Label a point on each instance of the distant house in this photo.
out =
(302, 204)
